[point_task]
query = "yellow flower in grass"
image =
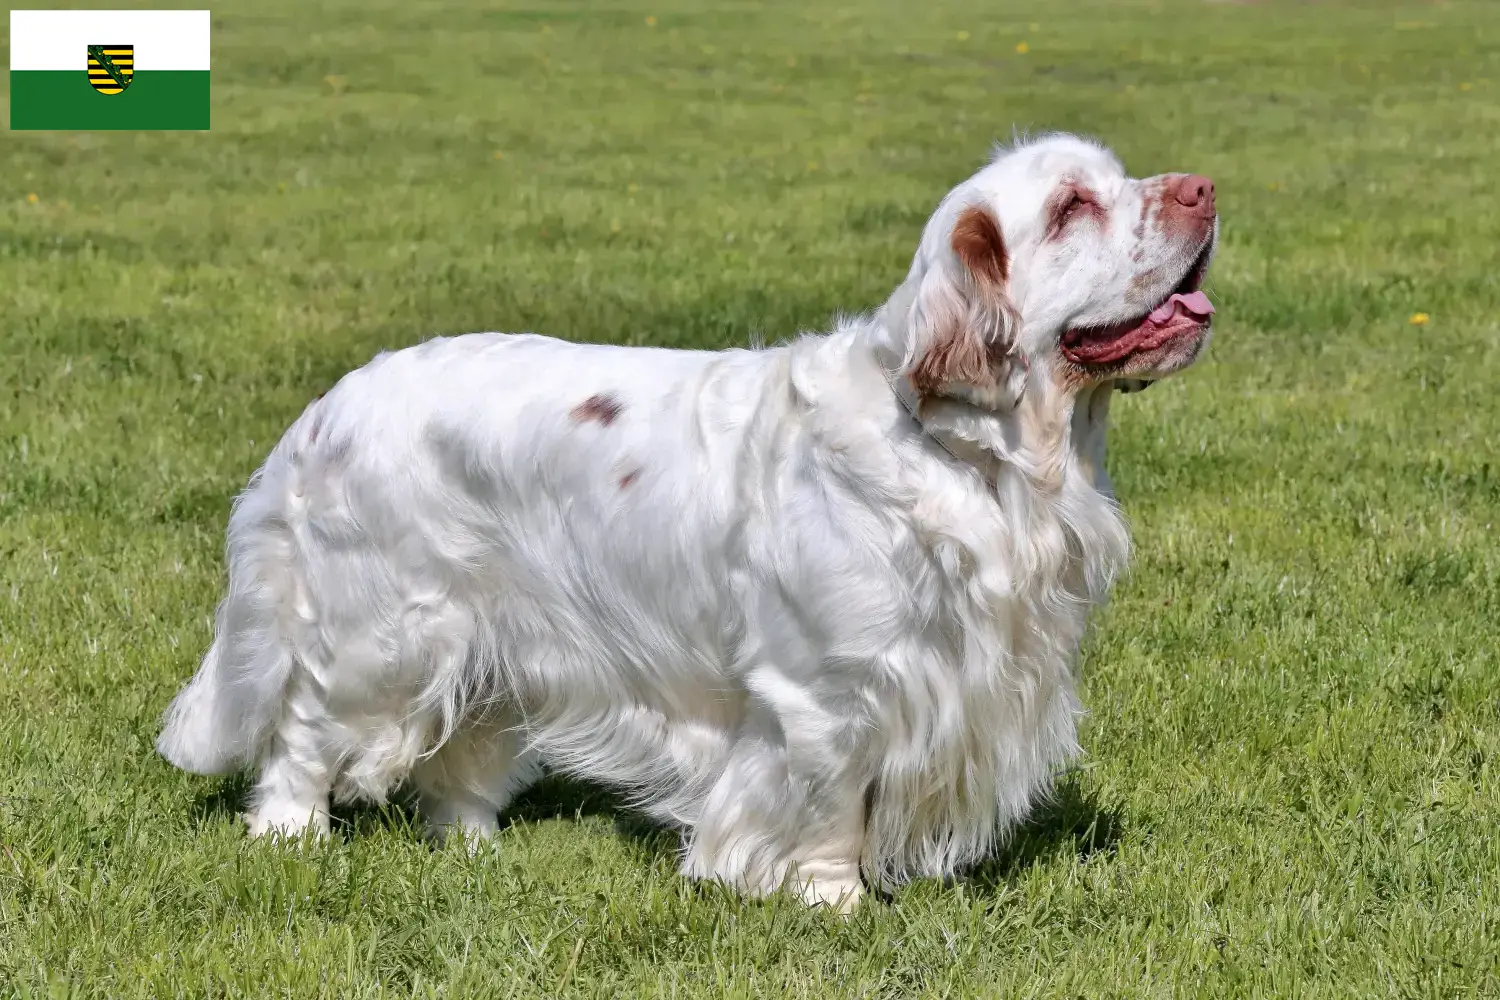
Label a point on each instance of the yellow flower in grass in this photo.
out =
(31, 199)
(1419, 319)
(1465, 86)
(651, 21)
(1022, 48)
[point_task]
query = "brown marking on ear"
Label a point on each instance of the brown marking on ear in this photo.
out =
(980, 246)
(600, 408)
(957, 357)
(964, 344)
(629, 478)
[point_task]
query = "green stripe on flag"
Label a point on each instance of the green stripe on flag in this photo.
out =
(63, 99)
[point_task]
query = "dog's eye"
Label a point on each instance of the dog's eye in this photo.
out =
(1074, 205)
(1069, 205)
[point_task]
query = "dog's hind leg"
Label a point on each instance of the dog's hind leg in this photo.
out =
(291, 794)
(470, 779)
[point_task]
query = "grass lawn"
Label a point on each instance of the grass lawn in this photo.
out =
(1293, 771)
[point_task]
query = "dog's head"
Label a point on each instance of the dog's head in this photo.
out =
(1051, 261)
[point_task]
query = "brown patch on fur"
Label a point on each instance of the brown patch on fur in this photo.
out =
(1143, 283)
(980, 246)
(1153, 201)
(1069, 379)
(600, 408)
(1138, 233)
(629, 478)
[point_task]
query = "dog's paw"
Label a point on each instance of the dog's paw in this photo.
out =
(836, 886)
(471, 825)
(841, 895)
(287, 821)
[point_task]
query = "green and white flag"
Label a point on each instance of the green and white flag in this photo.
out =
(109, 69)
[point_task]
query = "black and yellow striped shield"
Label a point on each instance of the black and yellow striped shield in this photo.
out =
(111, 67)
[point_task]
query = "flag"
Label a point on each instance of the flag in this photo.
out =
(109, 69)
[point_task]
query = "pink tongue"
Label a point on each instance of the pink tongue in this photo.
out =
(1194, 303)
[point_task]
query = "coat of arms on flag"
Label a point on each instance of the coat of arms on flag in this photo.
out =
(110, 67)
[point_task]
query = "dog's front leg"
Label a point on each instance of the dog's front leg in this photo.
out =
(788, 810)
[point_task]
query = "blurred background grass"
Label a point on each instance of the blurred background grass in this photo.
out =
(1293, 745)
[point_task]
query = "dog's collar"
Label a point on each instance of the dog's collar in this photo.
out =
(901, 389)
(890, 366)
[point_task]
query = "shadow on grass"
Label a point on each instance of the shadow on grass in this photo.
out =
(551, 798)
(556, 797)
(230, 797)
(1070, 823)
(226, 799)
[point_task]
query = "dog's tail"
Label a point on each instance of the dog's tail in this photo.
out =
(211, 726)
(220, 721)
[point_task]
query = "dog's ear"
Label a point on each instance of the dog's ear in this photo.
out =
(962, 323)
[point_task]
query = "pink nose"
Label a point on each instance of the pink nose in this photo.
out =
(1196, 192)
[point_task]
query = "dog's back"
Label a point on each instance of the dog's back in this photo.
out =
(516, 528)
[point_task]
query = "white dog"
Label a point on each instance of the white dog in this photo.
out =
(816, 605)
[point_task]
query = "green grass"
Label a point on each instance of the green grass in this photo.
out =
(1293, 769)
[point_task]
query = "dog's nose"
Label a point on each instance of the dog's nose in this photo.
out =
(1196, 192)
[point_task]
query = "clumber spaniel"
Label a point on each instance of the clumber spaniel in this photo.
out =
(816, 605)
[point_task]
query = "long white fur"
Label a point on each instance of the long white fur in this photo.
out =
(759, 596)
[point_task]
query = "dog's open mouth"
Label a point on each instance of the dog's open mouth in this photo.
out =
(1185, 311)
